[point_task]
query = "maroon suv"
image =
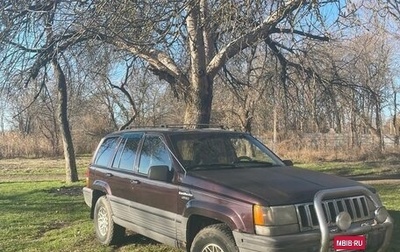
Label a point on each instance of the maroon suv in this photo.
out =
(219, 190)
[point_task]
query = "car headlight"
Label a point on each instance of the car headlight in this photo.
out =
(276, 220)
(381, 214)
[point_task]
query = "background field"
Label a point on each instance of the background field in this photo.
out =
(41, 213)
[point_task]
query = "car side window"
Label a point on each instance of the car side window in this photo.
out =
(154, 152)
(106, 151)
(126, 154)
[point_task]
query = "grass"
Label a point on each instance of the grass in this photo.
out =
(50, 216)
(41, 213)
(28, 169)
(389, 194)
(36, 216)
(356, 169)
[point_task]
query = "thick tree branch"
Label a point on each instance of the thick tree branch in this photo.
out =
(47, 53)
(161, 64)
(260, 32)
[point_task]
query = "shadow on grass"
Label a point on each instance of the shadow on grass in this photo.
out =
(133, 238)
(66, 190)
(134, 241)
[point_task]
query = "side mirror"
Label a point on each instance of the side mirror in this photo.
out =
(158, 172)
(288, 162)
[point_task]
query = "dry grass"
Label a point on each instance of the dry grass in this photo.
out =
(15, 144)
(39, 169)
(310, 155)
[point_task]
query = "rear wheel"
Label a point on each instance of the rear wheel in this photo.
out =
(214, 238)
(107, 232)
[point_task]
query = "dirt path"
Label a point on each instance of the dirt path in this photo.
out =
(377, 179)
(380, 181)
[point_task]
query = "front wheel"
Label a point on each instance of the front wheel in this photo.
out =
(214, 238)
(107, 231)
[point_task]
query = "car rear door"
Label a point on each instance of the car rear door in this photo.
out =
(114, 165)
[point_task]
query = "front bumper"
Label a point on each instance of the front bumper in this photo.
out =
(378, 235)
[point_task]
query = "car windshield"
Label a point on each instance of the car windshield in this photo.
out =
(205, 151)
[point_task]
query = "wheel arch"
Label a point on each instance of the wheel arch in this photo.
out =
(203, 214)
(99, 188)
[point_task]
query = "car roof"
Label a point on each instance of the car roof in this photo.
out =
(172, 130)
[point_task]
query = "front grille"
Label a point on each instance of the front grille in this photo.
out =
(357, 207)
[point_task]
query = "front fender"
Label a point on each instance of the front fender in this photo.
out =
(215, 211)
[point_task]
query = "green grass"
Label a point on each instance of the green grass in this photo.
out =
(389, 194)
(371, 168)
(36, 216)
(51, 216)
(38, 212)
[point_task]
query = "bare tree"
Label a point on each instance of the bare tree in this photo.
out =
(391, 7)
(248, 77)
(186, 43)
(354, 82)
(33, 35)
(126, 89)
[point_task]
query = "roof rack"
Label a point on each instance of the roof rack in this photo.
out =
(180, 126)
(192, 125)
(142, 126)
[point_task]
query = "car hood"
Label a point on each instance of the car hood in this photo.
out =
(275, 185)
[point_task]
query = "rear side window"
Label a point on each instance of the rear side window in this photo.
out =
(106, 151)
(126, 155)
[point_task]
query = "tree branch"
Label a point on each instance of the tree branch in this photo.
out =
(302, 33)
(260, 32)
(128, 95)
(160, 64)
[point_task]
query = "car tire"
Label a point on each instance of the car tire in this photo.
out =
(217, 237)
(107, 232)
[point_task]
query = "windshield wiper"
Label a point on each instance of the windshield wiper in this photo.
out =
(252, 162)
(214, 166)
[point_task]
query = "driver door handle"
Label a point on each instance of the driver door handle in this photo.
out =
(135, 181)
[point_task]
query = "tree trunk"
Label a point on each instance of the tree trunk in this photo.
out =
(275, 126)
(247, 119)
(69, 154)
(353, 126)
(396, 128)
(381, 143)
(199, 100)
(198, 106)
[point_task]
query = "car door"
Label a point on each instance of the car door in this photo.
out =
(116, 174)
(156, 200)
(123, 166)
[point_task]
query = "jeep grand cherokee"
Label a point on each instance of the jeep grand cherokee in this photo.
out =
(218, 190)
